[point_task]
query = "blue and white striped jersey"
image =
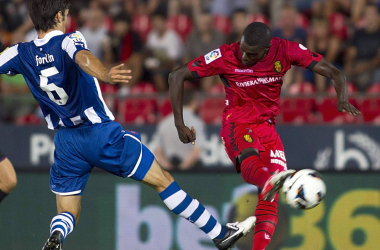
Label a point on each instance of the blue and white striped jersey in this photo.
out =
(67, 95)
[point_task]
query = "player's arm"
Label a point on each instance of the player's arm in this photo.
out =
(325, 68)
(208, 65)
(92, 66)
(177, 79)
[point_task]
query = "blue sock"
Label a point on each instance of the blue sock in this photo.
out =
(63, 222)
(185, 206)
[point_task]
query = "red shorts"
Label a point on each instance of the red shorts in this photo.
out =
(262, 136)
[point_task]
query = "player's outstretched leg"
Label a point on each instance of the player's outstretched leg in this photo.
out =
(254, 171)
(8, 179)
(64, 222)
(183, 205)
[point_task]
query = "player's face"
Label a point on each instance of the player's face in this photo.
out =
(250, 55)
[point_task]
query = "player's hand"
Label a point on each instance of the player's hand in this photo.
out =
(186, 135)
(348, 107)
(119, 75)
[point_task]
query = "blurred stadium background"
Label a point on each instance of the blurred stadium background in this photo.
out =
(154, 36)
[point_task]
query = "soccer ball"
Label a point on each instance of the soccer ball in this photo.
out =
(304, 189)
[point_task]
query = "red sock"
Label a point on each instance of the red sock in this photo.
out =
(266, 220)
(254, 172)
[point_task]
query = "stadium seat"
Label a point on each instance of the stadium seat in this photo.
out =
(143, 88)
(182, 24)
(109, 95)
(211, 110)
(327, 107)
(374, 88)
(164, 107)
(298, 88)
(302, 21)
(142, 25)
(216, 89)
(370, 108)
(298, 110)
(351, 89)
(222, 23)
(138, 110)
(140, 107)
(338, 26)
(28, 119)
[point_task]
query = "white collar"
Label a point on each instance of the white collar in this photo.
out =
(48, 36)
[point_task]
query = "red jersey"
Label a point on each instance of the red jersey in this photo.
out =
(253, 93)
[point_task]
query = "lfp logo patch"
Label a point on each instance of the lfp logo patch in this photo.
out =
(74, 36)
(212, 56)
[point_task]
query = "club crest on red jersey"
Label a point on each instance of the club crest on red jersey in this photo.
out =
(277, 66)
(248, 138)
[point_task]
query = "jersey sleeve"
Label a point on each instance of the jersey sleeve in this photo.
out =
(73, 43)
(208, 65)
(301, 56)
(10, 61)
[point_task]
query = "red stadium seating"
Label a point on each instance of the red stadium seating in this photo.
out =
(182, 24)
(211, 110)
(137, 110)
(143, 88)
(142, 25)
(222, 23)
(299, 106)
(338, 26)
(301, 88)
(216, 89)
(374, 88)
(351, 89)
(370, 109)
(141, 105)
(165, 107)
(327, 107)
(298, 110)
(29, 119)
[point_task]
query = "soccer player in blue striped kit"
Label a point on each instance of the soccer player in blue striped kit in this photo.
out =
(63, 77)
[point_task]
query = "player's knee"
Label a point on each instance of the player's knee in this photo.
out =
(8, 180)
(164, 181)
(168, 176)
(12, 183)
(246, 153)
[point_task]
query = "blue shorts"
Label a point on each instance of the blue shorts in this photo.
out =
(103, 145)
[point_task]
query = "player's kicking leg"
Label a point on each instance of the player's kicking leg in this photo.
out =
(255, 170)
(8, 179)
(183, 205)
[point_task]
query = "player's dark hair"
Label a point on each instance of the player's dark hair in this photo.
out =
(257, 34)
(43, 12)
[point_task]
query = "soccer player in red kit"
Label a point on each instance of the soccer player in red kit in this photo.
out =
(251, 71)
